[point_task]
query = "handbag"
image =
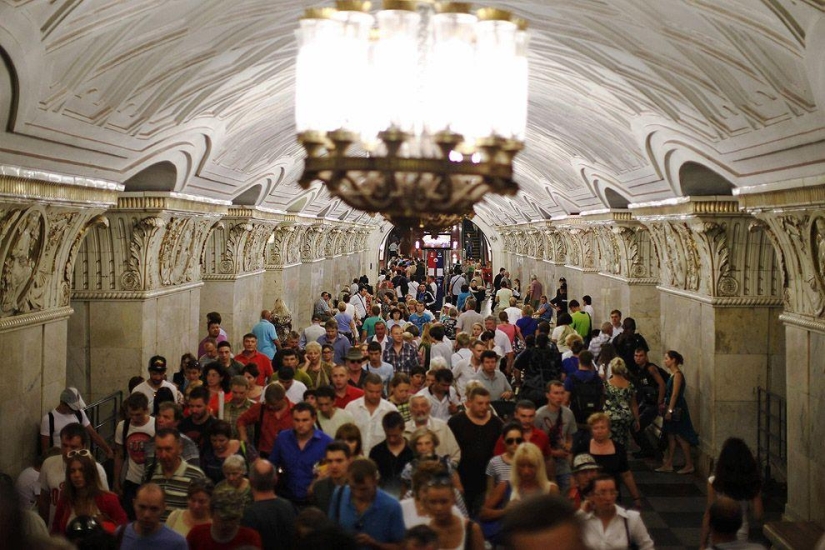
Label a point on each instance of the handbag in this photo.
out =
(492, 528)
(676, 415)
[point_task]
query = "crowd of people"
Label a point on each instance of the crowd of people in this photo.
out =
(391, 421)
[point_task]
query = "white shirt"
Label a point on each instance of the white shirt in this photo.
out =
(443, 350)
(53, 477)
(616, 331)
(596, 537)
(382, 342)
(60, 420)
(372, 433)
(460, 355)
(440, 409)
(311, 334)
(503, 341)
(360, 305)
(463, 372)
(513, 314)
(295, 393)
(150, 392)
(28, 487)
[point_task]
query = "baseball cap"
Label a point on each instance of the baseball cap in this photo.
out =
(157, 363)
(585, 462)
(71, 397)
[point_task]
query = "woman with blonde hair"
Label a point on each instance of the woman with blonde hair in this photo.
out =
(320, 374)
(620, 402)
(528, 477)
(282, 319)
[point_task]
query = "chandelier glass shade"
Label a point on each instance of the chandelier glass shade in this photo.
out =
(415, 112)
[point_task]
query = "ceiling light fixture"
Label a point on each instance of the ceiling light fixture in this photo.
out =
(416, 112)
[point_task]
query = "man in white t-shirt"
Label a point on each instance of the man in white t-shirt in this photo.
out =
(156, 381)
(69, 411)
(513, 312)
(131, 436)
(73, 439)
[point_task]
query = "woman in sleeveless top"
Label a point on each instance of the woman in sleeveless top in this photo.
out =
(454, 532)
(620, 403)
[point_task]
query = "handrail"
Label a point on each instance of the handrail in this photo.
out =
(105, 425)
(771, 432)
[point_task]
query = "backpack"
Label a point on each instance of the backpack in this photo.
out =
(586, 398)
(79, 416)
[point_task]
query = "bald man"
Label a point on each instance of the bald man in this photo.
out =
(147, 532)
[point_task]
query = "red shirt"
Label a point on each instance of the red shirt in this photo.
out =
(272, 424)
(536, 437)
(200, 537)
(352, 394)
(264, 365)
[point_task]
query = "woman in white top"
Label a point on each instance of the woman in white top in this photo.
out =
(607, 526)
(454, 532)
(197, 508)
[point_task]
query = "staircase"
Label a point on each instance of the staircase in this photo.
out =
(472, 235)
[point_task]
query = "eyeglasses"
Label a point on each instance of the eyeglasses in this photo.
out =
(440, 480)
(516, 440)
(79, 452)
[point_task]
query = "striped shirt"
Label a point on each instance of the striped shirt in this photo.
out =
(177, 486)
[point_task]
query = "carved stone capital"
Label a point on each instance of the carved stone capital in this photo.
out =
(237, 246)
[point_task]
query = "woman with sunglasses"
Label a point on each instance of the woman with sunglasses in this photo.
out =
(413, 504)
(498, 469)
(608, 526)
(82, 496)
(454, 532)
(528, 477)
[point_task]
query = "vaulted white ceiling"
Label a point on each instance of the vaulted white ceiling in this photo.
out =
(196, 96)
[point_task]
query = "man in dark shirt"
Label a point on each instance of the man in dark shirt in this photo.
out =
(476, 430)
(337, 459)
(272, 517)
(392, 454)
(197, 424)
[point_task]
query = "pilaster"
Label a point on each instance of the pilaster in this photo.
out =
(43, 221)
(137, 287)
(720, 306)
(233, 269)
(792, 216)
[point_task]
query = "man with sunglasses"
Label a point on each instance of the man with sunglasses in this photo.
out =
(74, 440)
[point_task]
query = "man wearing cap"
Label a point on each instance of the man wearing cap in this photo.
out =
(225, 531)
(585, 468)
(69, 411)
(156, 381)
(312, 332)
(356, 373)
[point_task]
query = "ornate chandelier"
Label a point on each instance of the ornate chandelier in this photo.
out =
(415, 112)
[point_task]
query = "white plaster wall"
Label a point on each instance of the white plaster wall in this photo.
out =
(239, 301)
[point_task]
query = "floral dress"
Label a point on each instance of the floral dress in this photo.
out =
(617, 407)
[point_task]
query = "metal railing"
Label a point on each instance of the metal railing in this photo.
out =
(104, 414)
(771, 435)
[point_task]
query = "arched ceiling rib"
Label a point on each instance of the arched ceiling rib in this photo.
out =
(124, 84)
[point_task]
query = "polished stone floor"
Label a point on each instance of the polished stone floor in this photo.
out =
(673, 506)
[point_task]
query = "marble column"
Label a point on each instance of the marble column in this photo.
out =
(720, 305)
(233, 270)
(137, 287)
(43, 220)
(794, 220)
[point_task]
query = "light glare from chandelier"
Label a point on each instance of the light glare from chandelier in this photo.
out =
(417, 118)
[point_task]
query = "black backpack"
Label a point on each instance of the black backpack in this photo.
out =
(586, 397)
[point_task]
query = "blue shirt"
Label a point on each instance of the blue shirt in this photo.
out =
(264, 331)
(420, 320)
(164, 538)
(340, 346)
(297, 463)
(383, 520)
(459, 303)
